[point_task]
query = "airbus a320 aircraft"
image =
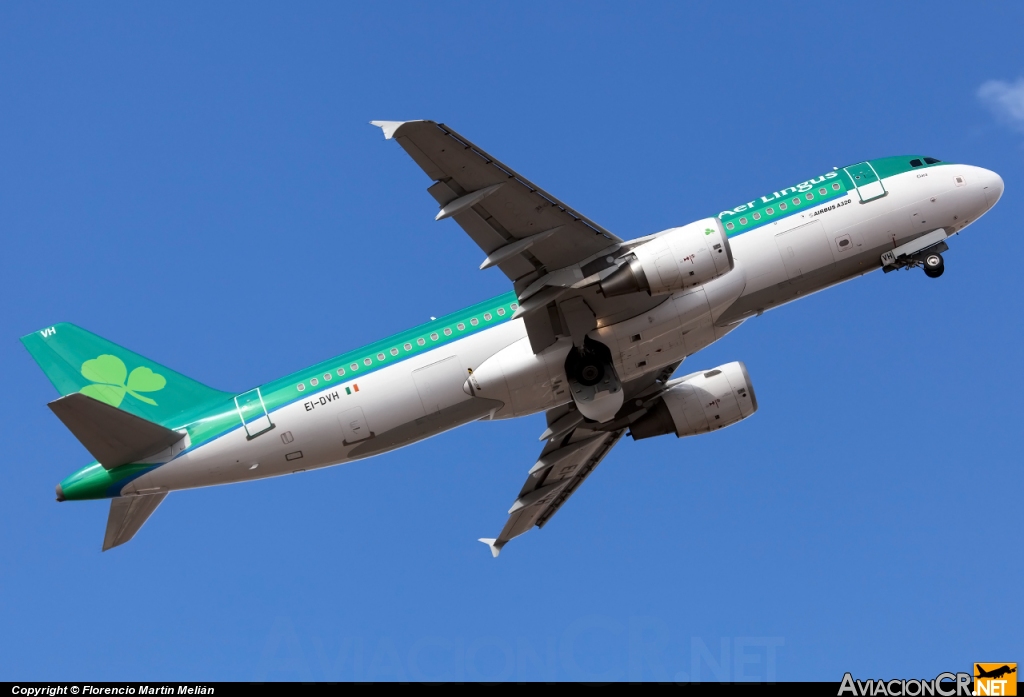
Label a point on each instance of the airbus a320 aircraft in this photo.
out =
(591, 334)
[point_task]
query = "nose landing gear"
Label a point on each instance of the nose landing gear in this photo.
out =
(933, 265)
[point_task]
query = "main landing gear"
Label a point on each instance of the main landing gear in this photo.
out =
(933, 265)
(595, 387)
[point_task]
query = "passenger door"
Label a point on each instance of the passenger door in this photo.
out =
(865, 179)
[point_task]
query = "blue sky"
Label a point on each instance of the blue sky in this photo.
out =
(199, 183)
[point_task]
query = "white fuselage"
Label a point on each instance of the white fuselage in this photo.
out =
(423, 395)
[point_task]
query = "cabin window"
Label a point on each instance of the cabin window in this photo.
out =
(433, 336)
(354, 366)
(380, 356)
(743, 221)
(301, 386)
(810, 197)
(757, 216)
(931, 161)
(770, 211)
(822, 191)
(394, 352)
(447, 331)
(782, 206)
(327, 377)
(474, 321)
(915, 163)
(408, 347)
(367, 361)
(341, 371)
(461, 327)
(421, 341)
(514, 307)
(729, 226)
(796, 201)
(501, 311)
(835, 186)
(314, 382)
(487, 316)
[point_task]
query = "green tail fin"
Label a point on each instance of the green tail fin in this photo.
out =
(79, 361)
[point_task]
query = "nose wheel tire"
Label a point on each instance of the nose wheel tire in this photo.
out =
(934, 266)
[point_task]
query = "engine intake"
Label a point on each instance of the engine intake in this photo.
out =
(700, 403)
(679, 258)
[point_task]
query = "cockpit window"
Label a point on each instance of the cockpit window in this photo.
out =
(915, 163)
(931, 161)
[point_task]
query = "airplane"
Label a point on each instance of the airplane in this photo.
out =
(590, 334)
(995, 673)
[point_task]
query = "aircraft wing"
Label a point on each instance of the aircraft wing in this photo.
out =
(573, 450)
(562, 466)
(518, 225)
(549, 250)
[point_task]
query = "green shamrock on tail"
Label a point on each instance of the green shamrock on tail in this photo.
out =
(109, 374)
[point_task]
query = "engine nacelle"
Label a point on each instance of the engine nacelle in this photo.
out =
(700, 403)
(679, 258)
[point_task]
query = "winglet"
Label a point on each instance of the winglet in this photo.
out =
(494, 545)
(389, 127)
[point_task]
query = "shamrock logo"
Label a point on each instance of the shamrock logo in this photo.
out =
(708, 231)
(111, 381)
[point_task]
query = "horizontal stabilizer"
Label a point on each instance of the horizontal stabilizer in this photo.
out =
(114, 437)
(127, 515)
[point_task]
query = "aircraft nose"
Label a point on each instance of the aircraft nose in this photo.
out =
(993, 185)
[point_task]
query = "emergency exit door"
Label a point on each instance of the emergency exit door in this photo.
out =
(866, 180)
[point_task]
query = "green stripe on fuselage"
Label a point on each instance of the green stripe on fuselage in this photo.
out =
(93, 481)
(794, 199)
(783, 203)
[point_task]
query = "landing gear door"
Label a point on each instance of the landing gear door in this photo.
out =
(253, 413)
(866, 180)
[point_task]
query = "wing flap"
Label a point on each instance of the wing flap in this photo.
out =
(127, 515)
